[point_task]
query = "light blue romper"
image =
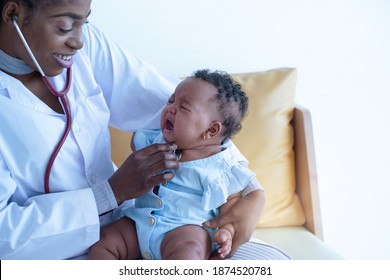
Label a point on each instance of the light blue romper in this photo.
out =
(193, 196)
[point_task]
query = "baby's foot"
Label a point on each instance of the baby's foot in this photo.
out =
(223, 237)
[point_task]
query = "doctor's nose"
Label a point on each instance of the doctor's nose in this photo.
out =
(76, 40)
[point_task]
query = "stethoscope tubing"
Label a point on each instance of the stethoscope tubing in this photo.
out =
(15, 18)
(53, 90)
(65, 102)
(63, 99)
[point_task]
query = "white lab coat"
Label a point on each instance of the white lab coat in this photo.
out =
(109, 87)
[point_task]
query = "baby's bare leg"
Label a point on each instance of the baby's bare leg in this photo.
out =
(118, 241)
(188, 242)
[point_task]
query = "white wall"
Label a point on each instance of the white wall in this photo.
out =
(342, 52)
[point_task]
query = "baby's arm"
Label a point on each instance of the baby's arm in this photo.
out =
(225, 234)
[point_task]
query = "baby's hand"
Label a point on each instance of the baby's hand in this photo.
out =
(224, 238)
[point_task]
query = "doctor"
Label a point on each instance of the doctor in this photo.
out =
(58, 184)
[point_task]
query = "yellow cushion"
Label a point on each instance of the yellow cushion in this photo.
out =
(266, 140)
(120, 145)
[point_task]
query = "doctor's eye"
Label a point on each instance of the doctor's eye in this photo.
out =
(65, 30)
(64, 26)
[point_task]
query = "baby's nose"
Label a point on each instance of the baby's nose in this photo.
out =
(172, 109)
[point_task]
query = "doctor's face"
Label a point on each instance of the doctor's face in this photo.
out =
(189, 113)
(53, 32)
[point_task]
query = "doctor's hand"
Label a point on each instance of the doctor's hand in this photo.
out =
(142, 171)
(243, 215)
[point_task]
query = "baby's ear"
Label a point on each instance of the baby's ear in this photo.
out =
(214, 130)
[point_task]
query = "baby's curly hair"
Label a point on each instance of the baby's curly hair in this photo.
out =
(233, 102)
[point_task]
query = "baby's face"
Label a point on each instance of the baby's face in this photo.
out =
(189, 113)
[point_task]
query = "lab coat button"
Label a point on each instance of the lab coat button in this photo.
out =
(151, 221)
(148, 256)
(92, 178)
(76, 127)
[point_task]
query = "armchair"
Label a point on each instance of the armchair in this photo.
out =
(303, 241)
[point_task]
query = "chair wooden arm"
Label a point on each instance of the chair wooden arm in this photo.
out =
(306, 172)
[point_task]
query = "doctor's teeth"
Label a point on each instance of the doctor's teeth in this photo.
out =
(64, 57)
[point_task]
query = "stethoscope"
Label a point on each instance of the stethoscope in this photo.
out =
(64, 101)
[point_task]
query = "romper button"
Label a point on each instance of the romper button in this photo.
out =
(159, 202)
(147, 255)
(151, 221)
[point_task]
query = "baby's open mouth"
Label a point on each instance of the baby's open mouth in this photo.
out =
(168, 125)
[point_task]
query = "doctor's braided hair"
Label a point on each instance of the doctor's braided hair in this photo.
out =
(233, 102)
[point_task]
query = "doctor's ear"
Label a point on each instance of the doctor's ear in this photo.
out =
(214, 130)
(10, 12)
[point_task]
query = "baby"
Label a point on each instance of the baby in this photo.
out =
(205, 111)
